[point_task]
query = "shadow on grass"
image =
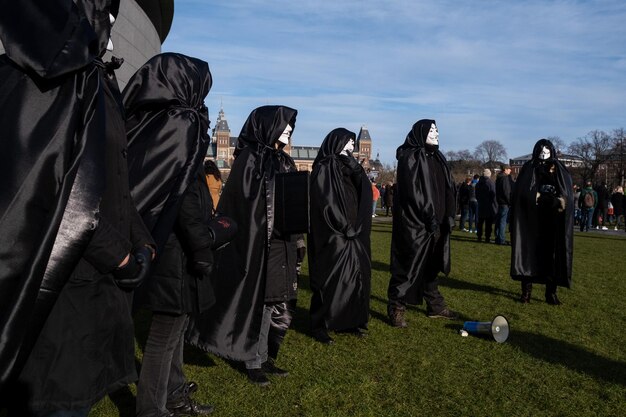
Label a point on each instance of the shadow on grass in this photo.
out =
(380, 266)
(559, 352)
(464, 285)
(591, 235)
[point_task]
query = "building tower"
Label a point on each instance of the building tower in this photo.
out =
(221, 138)
(363, 151)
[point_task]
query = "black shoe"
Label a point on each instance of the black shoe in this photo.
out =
(188, 407)
(322, 336)
(552, 299)
(257, 376)
(358, 332)
(271, 369)
(444, 314)
(396, 316)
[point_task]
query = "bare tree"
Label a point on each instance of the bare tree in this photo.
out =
(619, 152)
(490, 152)
(593, 149)
(462, 163)
(559, 144)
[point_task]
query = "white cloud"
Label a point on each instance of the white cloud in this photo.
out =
(512, 71)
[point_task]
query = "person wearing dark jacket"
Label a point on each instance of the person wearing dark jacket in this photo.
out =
(82, 246)
(618, 202)
(423, 218)
(254, 305)
(339, 240)
(602, 204)
(587, 201)
(465, 191)
(542, 224)
(504, 189)
(164, 101)
(487, 205)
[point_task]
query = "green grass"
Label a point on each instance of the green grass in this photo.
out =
(567, 360)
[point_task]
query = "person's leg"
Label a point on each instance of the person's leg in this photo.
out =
(527, 288)
(488, 228)
(590, 218)
(473, 222)
(551, 297)
(163, 340)
(479, 228)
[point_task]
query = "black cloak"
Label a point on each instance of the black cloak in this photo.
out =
(52, 138)
(167, 124)
(231, 327)
(542, 241)
(339, 241)
(415, 219)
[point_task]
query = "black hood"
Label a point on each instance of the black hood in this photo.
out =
(334, 143)
(97, 13)
(539, 145)
(264, 126)
(416, 138)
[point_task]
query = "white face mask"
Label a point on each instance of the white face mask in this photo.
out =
(284, 137)
(545, 153)
(348, 148)
(110, 43)
(433, 135)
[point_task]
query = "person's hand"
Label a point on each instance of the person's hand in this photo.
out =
(204, 267)
(132, 273)
(433, 229)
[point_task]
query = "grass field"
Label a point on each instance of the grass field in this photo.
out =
(567, 360)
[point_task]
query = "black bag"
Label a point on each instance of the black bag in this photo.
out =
(291, 200)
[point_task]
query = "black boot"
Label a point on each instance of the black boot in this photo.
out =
(551, 297)
(527, 288)
(186, 406)
(271, 369)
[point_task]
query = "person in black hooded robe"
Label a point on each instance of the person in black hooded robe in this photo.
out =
(423, 217)
(77, 242)
(542, 224)
(255, 302)
(339, 241)
(167, 125)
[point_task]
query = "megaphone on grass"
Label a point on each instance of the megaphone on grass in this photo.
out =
(498, 328)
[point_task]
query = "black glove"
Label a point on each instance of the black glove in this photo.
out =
(131, 275)
(300, 253)
(433, 228)
(204, 267)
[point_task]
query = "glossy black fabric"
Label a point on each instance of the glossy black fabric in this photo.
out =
(167, 126)
(413, 248)
(231, 328)
(542, 237)
(339, 241)
(52, 128)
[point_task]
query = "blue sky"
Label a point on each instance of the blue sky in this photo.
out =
(485, 70)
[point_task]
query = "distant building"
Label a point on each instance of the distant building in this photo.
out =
(570, 161)
(223, 146)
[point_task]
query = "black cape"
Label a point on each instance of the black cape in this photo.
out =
(52, 136)
(412, 242)
(231, 327)
(339, 241)
(542, 245)
(167, 124)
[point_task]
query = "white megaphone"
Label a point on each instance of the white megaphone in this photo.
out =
(498, 328)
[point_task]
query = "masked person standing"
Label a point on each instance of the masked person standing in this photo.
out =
(339, 241)
(255, 304)
(423, 217)
(79, 244)
(542, 224)
(167, 124)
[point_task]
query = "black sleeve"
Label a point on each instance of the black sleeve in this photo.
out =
(139, 234)
(107, 247)
(191, 226)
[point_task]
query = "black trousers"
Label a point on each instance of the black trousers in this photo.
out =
(161, 377)
(487, 224)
